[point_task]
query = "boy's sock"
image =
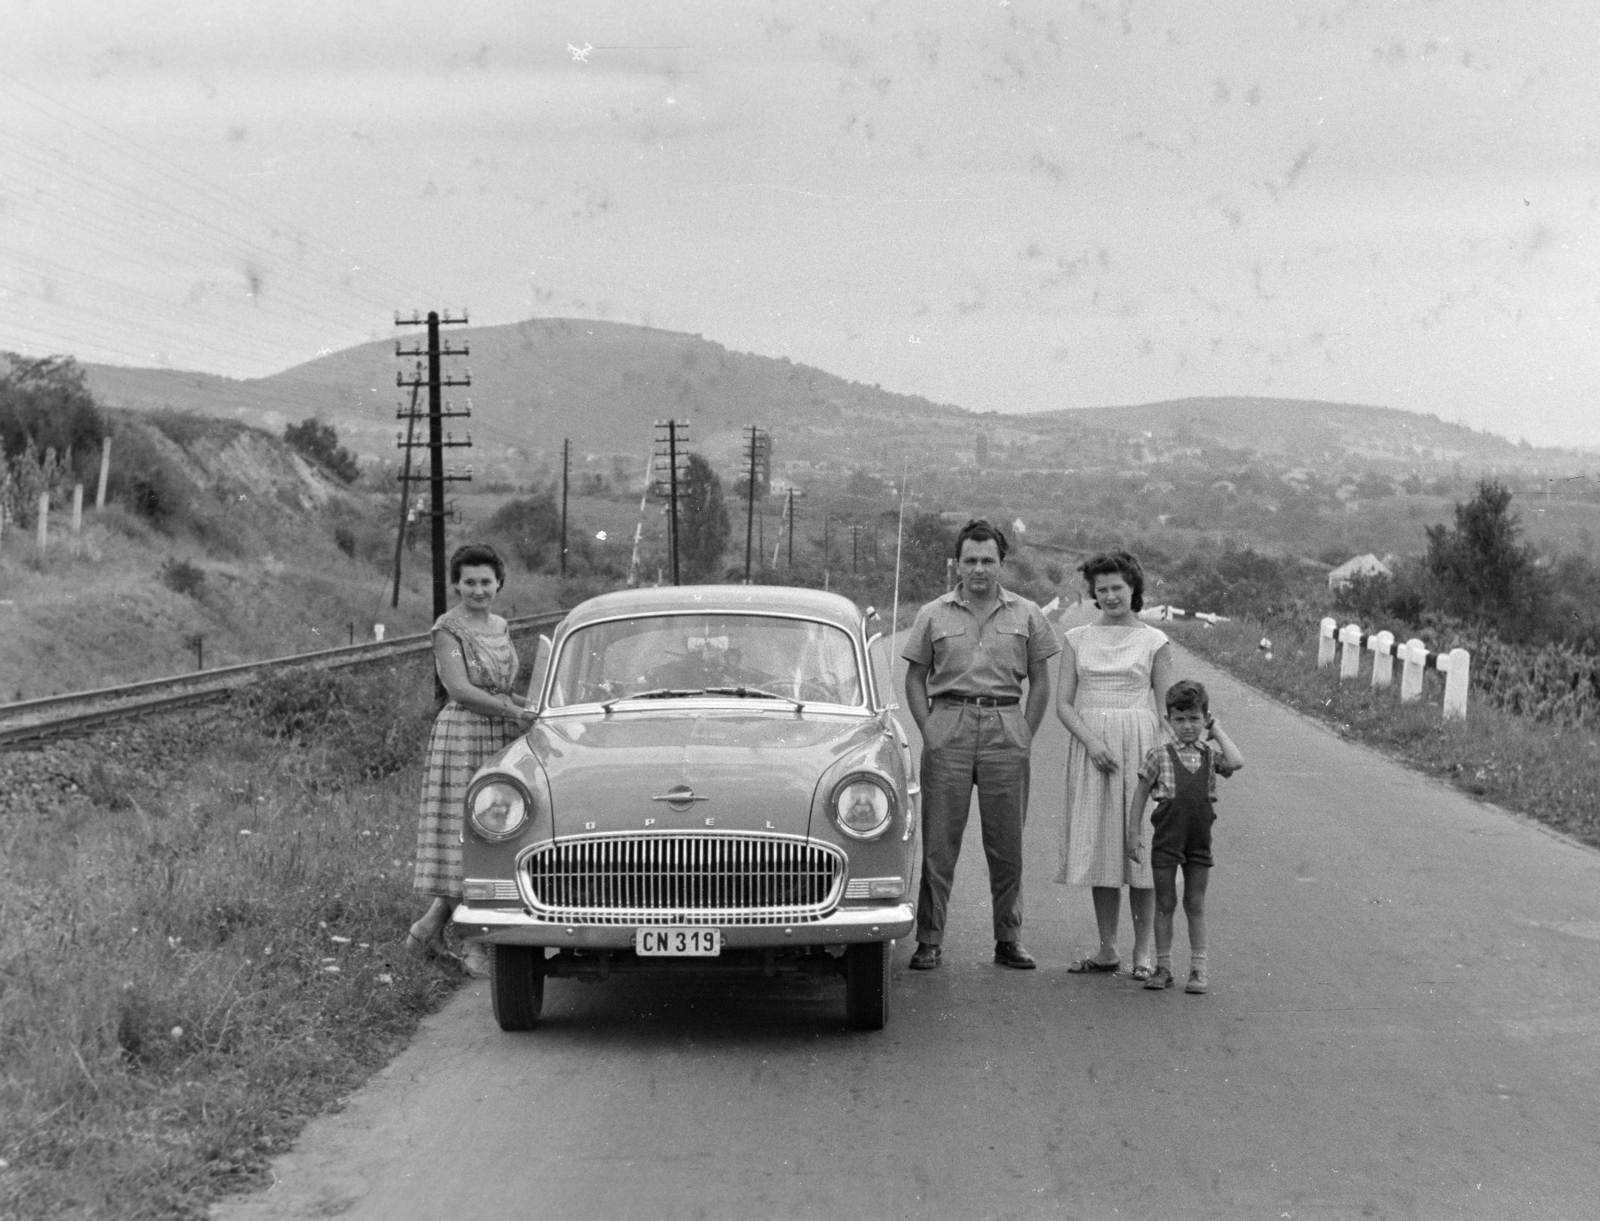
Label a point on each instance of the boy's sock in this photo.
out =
(1164, 960)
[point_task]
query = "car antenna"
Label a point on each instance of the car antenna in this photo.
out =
(899, 536)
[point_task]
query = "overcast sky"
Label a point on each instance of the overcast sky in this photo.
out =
(1005, 204)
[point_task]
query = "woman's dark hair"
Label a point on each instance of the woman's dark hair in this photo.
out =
(980, 530)
(1186, 695)
(476, 555)
(1118, 562)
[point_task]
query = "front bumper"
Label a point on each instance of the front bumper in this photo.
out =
(500, 926)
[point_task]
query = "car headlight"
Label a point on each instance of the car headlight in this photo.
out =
(863, 807)
(498, 807)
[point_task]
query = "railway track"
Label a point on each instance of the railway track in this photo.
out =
(76, 711)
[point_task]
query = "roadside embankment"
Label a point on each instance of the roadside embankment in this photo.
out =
(1546, 771)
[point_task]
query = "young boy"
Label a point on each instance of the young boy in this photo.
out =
(1180, 775)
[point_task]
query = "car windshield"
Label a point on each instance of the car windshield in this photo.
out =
(742, 655)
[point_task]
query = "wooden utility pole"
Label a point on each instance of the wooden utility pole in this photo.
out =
(105, 473)
(755, 444)
(405, 490)
(438, 442)
(669, 433)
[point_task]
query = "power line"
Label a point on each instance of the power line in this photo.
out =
(177, 172)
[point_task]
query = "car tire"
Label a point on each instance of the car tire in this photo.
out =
(516, 985)
(866, 985)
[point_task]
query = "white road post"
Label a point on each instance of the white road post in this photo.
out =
(1457, 665)
(1415, 654)
(1382, 646)
(377, 632)
(1350, 652)
(1325, 644)
(44, 521)
(77, 508)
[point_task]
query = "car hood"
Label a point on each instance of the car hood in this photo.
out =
(750, 771)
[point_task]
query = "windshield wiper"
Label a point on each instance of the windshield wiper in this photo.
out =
(754, 693)
(657, 693)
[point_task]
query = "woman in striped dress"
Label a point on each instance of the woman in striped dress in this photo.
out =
(1114, 676)
(476, 663)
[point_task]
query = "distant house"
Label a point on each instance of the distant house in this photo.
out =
(1367, 565)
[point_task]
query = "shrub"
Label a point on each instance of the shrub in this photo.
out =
(1236, 582)
(375, 722)
(182, 577)
(319, 443)
(146, 480)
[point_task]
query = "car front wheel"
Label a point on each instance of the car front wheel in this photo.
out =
(516, 984)
(866, 985)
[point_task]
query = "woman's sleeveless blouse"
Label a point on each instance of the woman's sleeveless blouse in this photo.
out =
(462, 741)
(1116, 702)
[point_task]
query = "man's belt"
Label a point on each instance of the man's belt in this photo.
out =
(982, 701)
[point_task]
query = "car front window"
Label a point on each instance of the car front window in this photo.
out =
(749, 654)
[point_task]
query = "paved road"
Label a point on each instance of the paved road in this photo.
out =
(1404, 1022)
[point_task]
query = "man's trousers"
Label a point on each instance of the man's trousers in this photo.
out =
(963, 745)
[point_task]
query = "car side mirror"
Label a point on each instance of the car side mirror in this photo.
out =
(541, 664)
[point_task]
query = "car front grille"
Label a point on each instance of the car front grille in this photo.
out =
(684, 878)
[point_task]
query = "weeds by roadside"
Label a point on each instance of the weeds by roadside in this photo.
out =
(1542, 770)
(200, 939)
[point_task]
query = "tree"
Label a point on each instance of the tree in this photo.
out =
(530, 526)
(702, 521)
(319, 443)
(45, 402)
(929, 541)
(1481, 568)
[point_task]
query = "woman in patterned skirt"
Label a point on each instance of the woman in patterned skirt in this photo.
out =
(476, 663)
(1114, 676)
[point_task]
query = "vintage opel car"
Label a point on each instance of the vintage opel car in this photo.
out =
(715, 781)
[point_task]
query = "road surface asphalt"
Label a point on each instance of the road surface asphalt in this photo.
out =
(1404, 1021)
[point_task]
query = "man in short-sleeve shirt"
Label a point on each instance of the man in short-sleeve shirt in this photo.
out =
(978, 687)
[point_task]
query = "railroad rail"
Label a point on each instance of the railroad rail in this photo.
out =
(54, 715)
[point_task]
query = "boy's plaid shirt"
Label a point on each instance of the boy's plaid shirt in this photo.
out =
(1157, 767)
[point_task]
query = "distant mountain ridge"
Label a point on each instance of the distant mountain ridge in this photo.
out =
(603, 385)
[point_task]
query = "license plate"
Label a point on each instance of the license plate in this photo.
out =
(673, 942)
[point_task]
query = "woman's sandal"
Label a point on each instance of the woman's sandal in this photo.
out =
(1142, 972)
(419, 946)
(1092, 966)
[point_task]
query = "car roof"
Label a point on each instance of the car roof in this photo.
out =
(735, 599)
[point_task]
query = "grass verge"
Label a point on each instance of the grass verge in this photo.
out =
(200, 942)
(1549, 773)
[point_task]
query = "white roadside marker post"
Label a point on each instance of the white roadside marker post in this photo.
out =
(1456, 664)
(77, 508)
(1350, 652)
(1415, 654)
(44, 522)
(1382, 646)
(1325, 644)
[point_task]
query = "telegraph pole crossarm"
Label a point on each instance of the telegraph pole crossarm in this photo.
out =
(436, 380)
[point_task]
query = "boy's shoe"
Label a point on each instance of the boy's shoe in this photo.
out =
(1197, 981)
(1161, 977)
(926, 957)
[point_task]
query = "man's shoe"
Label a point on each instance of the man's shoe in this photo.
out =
(926, 957)
(1011, 954)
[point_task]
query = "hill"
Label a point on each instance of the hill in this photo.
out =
(604, 384)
